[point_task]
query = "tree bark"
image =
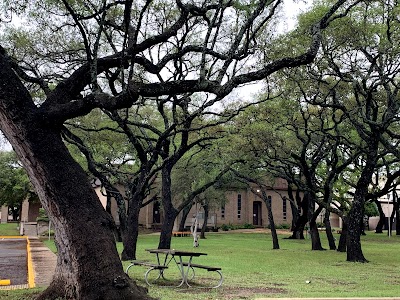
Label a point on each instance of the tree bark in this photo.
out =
(88, 265)
(382, 218)
(396, 207)
(328, 228)
(131, 233)
(315, 238)
(185, 213)
(342, 247)
(298, 230)
(293, 207)
(356, 213)
(354, 251)
(204, 226)
(170, 213)
(275, 241)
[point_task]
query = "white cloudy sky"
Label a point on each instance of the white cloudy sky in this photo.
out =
(291, 7)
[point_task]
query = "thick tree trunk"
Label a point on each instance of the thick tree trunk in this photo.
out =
(356, 215)
(342, 246)
(88, 265)
(354, 251)
(328, 228)
(204, 225)
(167, 227)
(355, 218)
(298, 230)
(131, 233)
(170, 213)
(315, 238)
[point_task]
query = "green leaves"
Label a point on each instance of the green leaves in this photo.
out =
(15, 186)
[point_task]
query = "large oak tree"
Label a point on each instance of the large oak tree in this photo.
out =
(77, 56)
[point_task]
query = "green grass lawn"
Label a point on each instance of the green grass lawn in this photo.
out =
(253, 270)
(9, 229)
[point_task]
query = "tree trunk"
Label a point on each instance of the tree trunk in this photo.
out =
(293, 207)
(130, 236)
(382, 218)
(328, 228)
(204, 226)
(275, 241)
(167, 227)
(298, 230)
(15, 213)
(88, 265)
(108, 203)
(396, 207)
(391, 221)
(185, 213)
(315, 238)
(170, 213)
(295, 215)
(342, 247)
(356, 217)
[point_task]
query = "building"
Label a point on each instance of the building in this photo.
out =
(241, 207)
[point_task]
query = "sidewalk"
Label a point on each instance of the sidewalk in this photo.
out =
(44, 262)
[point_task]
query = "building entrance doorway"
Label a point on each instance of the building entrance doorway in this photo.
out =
(257, 220)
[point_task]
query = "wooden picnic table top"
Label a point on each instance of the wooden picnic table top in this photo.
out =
(175, 252)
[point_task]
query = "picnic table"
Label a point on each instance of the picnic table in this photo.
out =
(182, 259)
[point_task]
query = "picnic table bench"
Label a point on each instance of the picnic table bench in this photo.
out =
(209, 269)
(151, 267)
(184, 267)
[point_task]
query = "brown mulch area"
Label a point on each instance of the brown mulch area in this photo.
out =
(230, 293)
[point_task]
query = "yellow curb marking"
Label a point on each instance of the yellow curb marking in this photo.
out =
(5, 282)
(31, 274)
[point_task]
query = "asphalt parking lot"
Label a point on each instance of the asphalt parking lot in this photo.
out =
(13, 260)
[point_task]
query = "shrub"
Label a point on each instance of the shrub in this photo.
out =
(224, 227)
(42, 216)
(248, 226)
(280, 226)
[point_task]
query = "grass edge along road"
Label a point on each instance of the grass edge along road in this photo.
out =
(253, 270)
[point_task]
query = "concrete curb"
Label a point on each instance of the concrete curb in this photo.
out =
(333, 298)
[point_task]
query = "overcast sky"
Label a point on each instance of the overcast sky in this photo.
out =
(291, 7)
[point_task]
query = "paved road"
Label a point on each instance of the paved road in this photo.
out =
(13, 260)
(14, 263)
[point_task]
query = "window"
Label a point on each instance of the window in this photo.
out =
(223, 212)
(239, 206)
(284, 208)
